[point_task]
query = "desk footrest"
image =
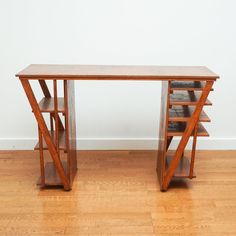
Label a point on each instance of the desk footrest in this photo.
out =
(183, 168)
(51, 176)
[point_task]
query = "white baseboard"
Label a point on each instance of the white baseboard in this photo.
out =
(122, 144)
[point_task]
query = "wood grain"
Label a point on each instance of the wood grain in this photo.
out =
(70, 122)
(47, 105)
(103, 72)
(117, 193)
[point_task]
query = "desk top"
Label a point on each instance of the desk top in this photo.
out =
(107, 72)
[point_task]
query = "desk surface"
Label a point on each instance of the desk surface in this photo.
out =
(106, 72)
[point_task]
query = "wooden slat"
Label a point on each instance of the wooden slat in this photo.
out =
(187, 85)
(183, 168)
(51, 176)
(184, 113)
(62, 141)
(178, 128)
(185, 98)
(47, 105)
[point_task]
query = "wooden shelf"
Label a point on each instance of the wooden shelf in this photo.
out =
(184, 113)
(187, 85)
(51, 176)
(183, 168)
(185, 98)
(62, 140)
(47, 105)
(178, 128)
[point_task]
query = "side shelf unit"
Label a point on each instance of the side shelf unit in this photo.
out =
(61, 114)
(182, 116)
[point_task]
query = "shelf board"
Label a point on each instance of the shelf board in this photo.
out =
(183, 168)
(62, 140)
(185, 98)
(51, 176)
(187, 85)
(184, 113)
(47, 105)
(178, 128)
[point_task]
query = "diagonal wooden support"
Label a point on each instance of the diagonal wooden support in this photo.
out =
(187, 133)
(42, 125)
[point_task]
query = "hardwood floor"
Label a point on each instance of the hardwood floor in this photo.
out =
(117, 193)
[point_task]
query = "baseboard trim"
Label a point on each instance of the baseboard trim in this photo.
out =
(122, 144)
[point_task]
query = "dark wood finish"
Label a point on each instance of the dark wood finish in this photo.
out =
(184, 113)
(169, 140)
(186, 98)
(183, 167)
(187, 85)
(104, 72)
(47, 105)
(178, 128)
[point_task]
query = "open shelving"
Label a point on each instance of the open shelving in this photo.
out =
(180, 103)
(61, 132)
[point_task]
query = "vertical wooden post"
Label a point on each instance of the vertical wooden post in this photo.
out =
(67, 129)
(193, 152)
(42, 170)
(56, 116)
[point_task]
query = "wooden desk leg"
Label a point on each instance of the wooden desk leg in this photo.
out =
(164, 142)
(187, 133)
(70, 125)
(43, 127)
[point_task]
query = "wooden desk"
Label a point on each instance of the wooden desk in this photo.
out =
(184, 94)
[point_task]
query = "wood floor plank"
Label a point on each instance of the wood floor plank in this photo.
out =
(117, 193)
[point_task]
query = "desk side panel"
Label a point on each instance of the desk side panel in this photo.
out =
(71, 131)
(161, 155)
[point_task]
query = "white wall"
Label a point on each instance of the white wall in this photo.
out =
(117, 115)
